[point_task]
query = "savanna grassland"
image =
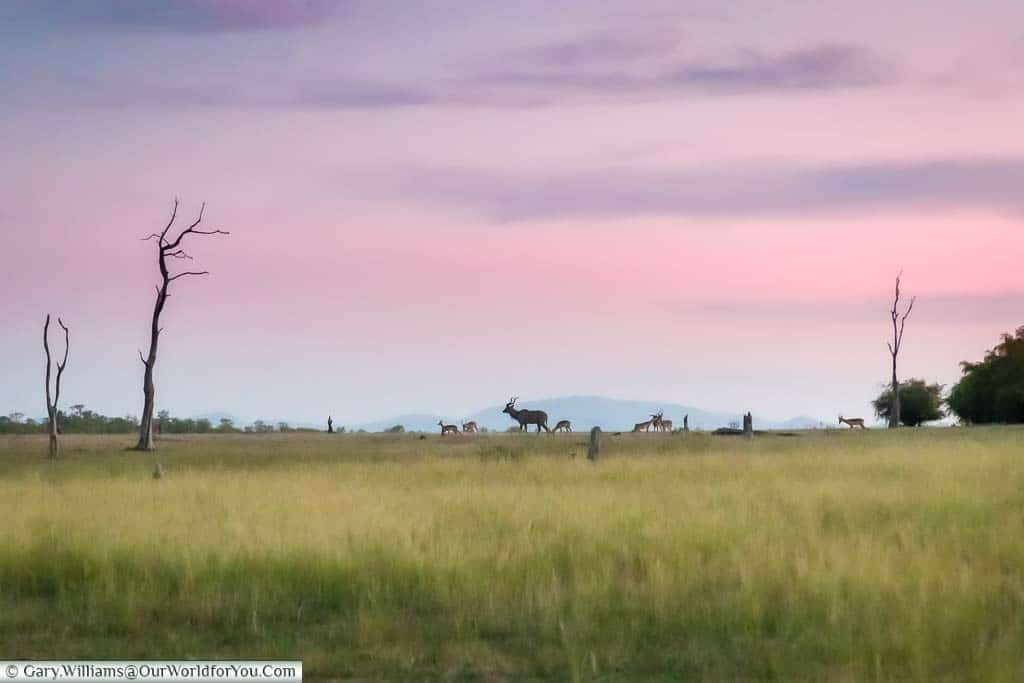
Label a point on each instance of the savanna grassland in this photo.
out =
(830, 555)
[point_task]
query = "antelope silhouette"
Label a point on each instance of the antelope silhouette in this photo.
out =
(526, 417)
(447, 429)
(643, 426)
(852, 422)
(563, 426)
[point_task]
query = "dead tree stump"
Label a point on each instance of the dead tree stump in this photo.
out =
(594, 447)
(748, 425)
(686, 422)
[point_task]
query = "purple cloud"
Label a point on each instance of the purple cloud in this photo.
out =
(818, 68)
(199, 16)
(729, 191)
(597, 48)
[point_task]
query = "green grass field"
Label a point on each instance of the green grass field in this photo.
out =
(831, 555)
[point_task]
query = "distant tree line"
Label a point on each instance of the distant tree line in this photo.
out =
(80, 420)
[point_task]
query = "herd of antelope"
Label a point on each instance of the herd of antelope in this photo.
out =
(526, 417)
(657, 421)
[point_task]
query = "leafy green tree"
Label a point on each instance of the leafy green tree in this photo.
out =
(992, 390)
(261, 427)
(397, 429)
(919, 402)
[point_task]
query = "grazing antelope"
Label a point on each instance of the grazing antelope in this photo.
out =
(526, 417)
(660, 423)
(469, 427)
(642, 426)
(448, 429)
(852, 422)
(563, 426)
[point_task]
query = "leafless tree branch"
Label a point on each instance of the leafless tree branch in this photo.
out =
(187, 273)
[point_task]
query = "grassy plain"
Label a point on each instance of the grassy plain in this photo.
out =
(831, 555)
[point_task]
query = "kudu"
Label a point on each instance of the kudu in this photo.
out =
(852, 422)
(660, 423)
(563, 426)
(469, 427)
(526, 417)
(447, 429)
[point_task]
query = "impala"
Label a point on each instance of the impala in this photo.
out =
(469, 427)
(852, 422)
(563, 426)
(526, 417)
(660, 423)
(447, 429)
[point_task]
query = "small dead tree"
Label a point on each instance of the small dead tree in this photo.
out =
(686, 422)
(168, 249)
(898, 323)
(54, 399)
(748, 425)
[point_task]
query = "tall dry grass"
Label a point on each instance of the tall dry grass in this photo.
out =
(831, 555)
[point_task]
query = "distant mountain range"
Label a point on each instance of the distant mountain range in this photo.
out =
(585, 412)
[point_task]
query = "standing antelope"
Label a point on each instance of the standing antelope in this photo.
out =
(642, 426)
(526, 417)
(852, 422)
(469, 427)
(660, 423)
(448, 429)
(563, 426)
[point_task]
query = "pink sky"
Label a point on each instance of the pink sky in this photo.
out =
(434, 208)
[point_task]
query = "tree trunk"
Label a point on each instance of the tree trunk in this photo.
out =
(146, 442)
(894, 400)
(748, 425)
(52, 402)
(54, 444)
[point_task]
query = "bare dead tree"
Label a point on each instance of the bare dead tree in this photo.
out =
(168, 249)
(898, 323)
(52, 401)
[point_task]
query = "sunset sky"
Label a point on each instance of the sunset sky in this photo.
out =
(435, 205)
